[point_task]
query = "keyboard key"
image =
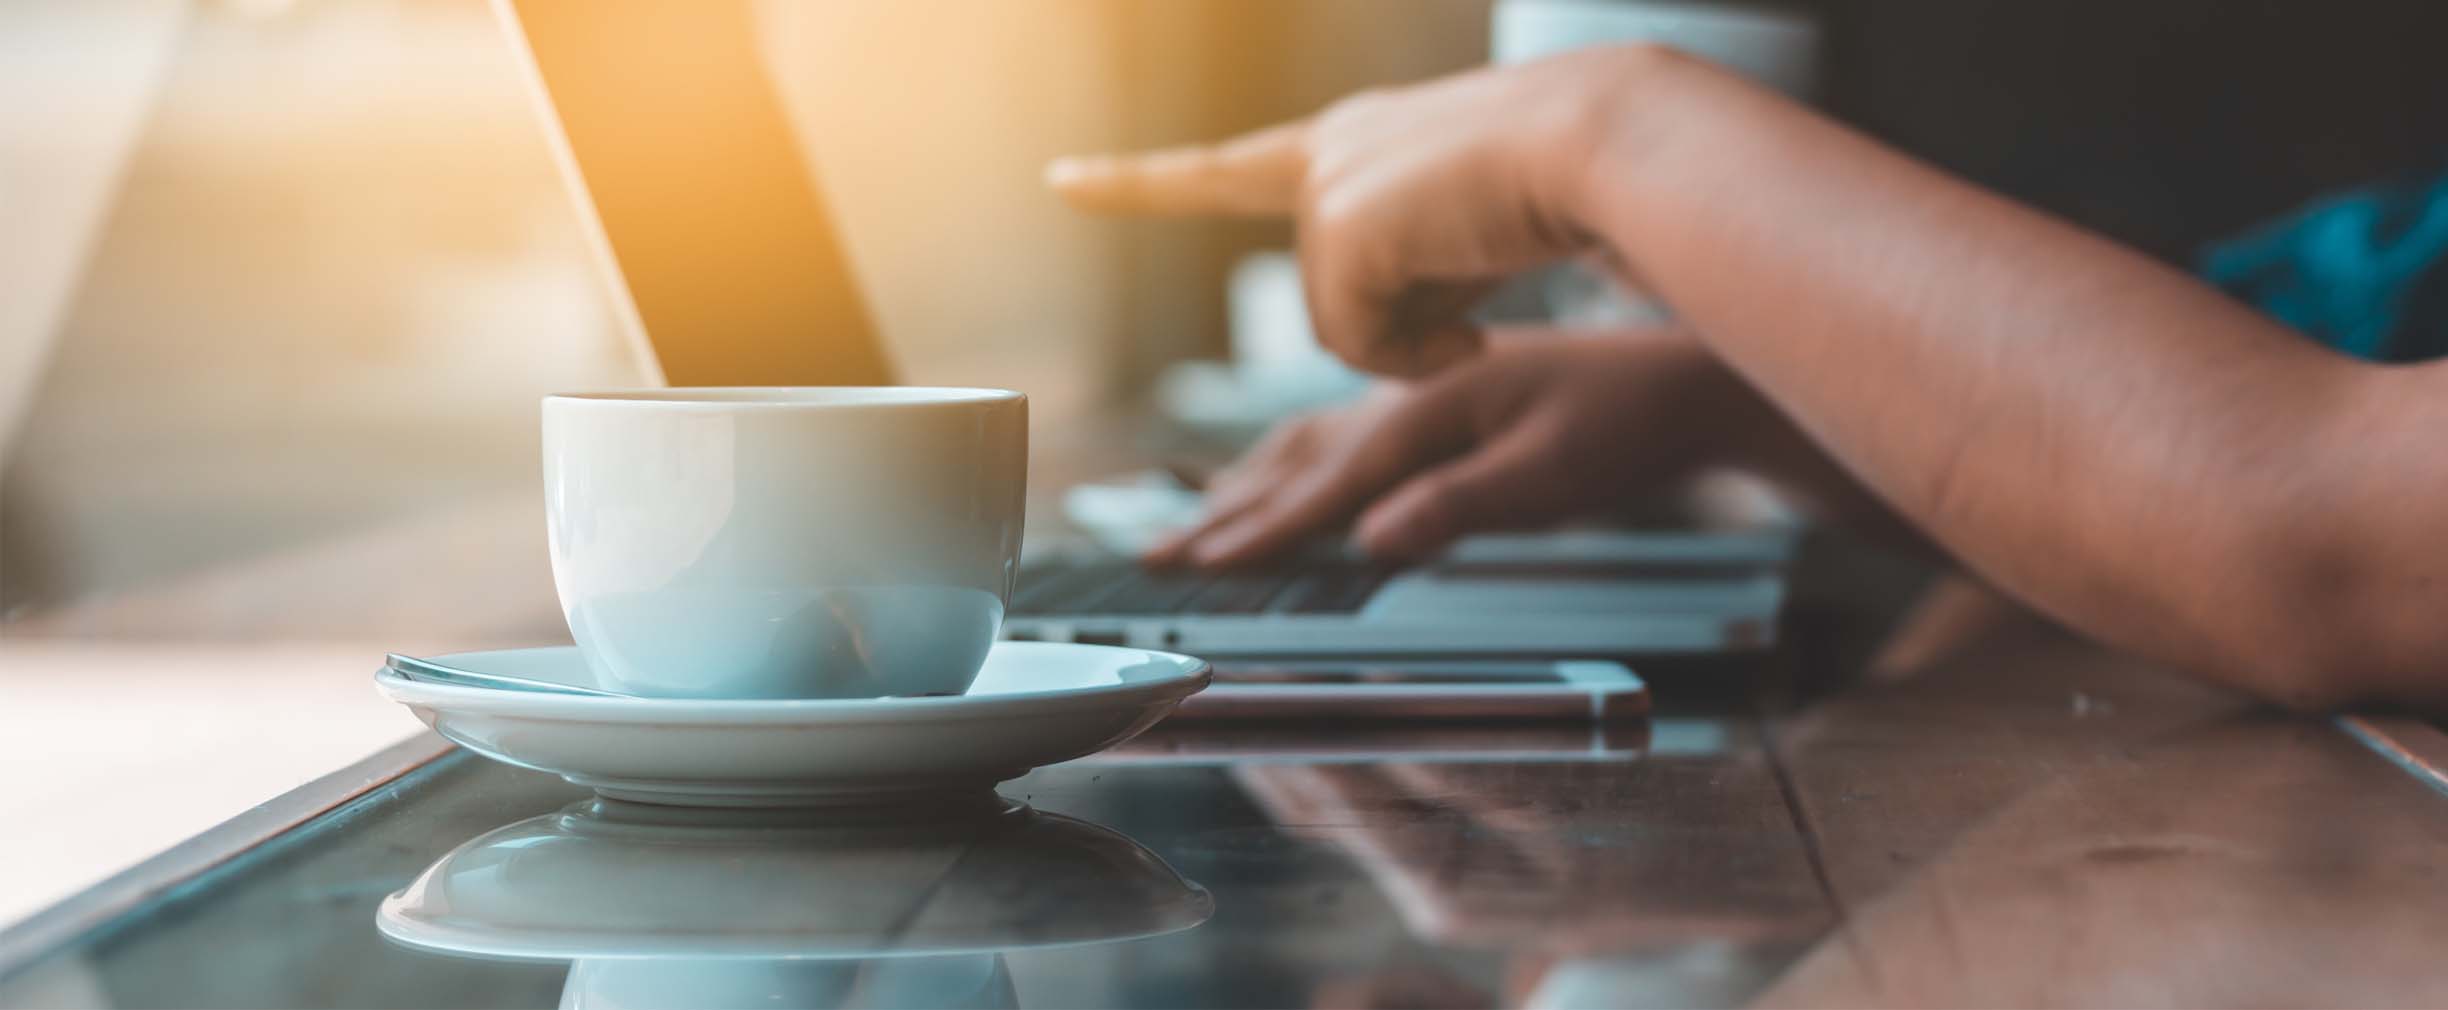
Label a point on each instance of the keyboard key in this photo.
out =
(1073, 588)
(1104, 587)
(1155, 592)
(1239, 593)
(1065, 587)
(1340, 589)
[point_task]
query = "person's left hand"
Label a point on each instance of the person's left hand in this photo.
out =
(1527, 435)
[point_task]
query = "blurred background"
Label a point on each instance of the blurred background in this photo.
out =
(281, 282)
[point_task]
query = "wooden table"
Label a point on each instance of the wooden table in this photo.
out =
(2032, 820)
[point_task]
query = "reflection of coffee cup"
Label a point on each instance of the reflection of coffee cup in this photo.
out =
(950, 981)
(785, 543)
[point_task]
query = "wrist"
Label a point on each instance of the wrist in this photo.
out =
(1600, 140)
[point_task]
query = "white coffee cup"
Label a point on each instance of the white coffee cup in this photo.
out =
(822, 542)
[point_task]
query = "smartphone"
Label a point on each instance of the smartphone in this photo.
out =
(1480, 691)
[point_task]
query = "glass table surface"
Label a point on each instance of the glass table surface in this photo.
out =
(1188, 870)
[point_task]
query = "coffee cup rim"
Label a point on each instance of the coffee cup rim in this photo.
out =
(787, 397)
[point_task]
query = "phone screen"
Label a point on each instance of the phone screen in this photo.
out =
(1525, 674)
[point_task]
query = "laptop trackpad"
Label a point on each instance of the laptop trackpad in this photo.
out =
(1423, 596)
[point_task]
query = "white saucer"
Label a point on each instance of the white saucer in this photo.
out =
(1034, 703)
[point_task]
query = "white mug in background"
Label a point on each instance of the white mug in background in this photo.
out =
(1778, 47)
(823, 542)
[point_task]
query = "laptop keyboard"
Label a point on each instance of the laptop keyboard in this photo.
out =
(1126, 588)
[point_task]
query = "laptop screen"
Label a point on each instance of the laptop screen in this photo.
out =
(723, 258)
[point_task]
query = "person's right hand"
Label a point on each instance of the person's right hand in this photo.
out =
(1410, 203)
(1528, 435)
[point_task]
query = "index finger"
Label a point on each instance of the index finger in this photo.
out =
(1257, 174)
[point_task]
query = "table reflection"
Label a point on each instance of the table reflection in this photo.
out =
(670, 906)
(1671, 880)
(2251, 861)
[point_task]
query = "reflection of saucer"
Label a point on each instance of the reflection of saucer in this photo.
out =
(1034, 703)
(680, 906)
(612, 880)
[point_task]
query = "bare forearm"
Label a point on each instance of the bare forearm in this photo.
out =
(2087, 428)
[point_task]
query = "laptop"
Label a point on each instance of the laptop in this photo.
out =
(727, 272)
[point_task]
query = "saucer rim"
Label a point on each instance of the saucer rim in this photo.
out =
(545, 943)
(1191, 676)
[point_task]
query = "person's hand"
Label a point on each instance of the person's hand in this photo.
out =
(1410, 202)
(1525, 436)
(1291, 448)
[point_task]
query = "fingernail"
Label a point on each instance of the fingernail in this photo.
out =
(1067, 170)
(1378, 541)
(1389, 536)
(1163, 552)
(1371, 537)
(1216, 549)
(1382, 522)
